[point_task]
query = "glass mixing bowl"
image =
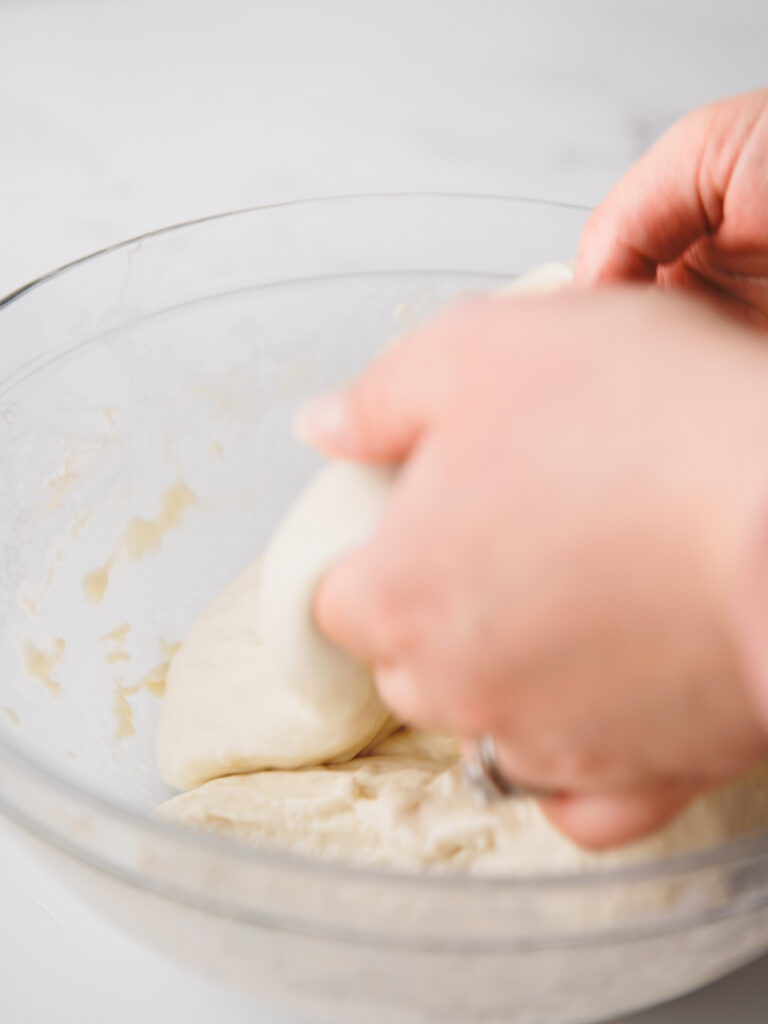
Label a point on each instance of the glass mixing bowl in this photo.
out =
(169, 367)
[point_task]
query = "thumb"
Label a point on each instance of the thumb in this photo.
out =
(674, 194)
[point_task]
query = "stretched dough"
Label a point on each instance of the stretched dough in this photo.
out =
(339, 511)
(254, 684)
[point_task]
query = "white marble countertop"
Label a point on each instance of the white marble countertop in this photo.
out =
(119, 117)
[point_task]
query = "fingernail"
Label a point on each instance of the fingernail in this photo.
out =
(322, 420)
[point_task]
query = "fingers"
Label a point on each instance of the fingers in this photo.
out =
(380, 416)
(410, 702)
(370, 422)
(602, 821)
(674, 195)
(605, 805)
(343, 608)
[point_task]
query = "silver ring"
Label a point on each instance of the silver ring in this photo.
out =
(487, 782)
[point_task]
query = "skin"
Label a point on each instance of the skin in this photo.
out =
(574, 552)
(693, 211)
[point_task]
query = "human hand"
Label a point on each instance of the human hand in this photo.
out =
(693, 211)
(560, 562)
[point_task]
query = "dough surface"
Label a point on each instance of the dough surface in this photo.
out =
(406, 806)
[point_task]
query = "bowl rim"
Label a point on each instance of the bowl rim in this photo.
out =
(331, 199)
(748, 847)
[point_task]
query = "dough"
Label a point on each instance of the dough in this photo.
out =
(235, 702)
(255, 686)
(405, 805)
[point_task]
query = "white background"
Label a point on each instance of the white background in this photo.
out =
(119, 117)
